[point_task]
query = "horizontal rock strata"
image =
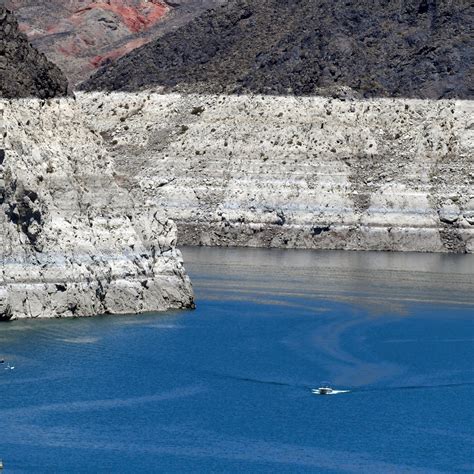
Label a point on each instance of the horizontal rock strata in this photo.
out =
(380, 174)
(72, 242)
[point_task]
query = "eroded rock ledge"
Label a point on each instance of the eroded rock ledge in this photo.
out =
(72, 242)
(265, 171)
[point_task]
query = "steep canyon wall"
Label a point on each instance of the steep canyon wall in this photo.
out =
(72, 242)
(307, 172)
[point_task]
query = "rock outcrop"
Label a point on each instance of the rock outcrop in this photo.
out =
(24, 71)
(81, 35)
(72, 242)
(380, 174)
(409, 48)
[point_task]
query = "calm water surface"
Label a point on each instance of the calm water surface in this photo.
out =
(227, 387)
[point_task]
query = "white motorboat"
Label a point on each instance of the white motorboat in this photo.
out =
(323, 391)
(326, 389)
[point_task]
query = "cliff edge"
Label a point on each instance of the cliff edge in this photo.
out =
(72, 241)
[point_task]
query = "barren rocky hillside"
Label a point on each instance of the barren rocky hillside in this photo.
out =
(23, 70)
(408, 48)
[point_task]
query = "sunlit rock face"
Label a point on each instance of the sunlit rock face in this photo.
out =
(81, 35)
(307, 172)
(72, 242)
(309, 123)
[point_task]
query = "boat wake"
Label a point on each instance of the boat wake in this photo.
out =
(248, 379)
(252, 380)
(414, 387)
(317, 391)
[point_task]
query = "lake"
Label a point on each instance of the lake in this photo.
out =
(227, 387)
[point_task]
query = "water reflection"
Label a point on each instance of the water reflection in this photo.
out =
(380, 281)
(227, 387)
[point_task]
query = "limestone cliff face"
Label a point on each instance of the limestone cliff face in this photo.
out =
(24, 71)
(381, 174)
(72, 242)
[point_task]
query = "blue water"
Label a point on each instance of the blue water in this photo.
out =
(227, 387)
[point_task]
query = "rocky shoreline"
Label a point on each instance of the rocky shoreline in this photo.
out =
(97, 189)
(91, 187)
(73, 243)
(287, 172)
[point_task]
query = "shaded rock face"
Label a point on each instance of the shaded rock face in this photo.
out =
(72, 242)
(297, 172)
(81, 35)
(24, 71)
(407, 48)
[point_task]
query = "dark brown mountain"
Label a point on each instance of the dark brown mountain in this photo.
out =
(81, 35)
(404, 48)
(25, 72)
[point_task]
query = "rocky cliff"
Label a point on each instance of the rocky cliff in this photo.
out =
(72, 242)
(81, 35)
(23, 70)
(367, 48)
(380, 174)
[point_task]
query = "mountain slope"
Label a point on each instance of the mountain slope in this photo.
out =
(23, 70)
(413, 48)
(81, 35)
